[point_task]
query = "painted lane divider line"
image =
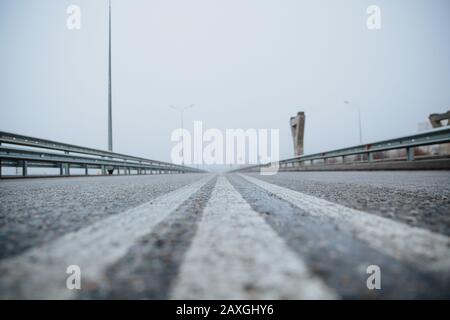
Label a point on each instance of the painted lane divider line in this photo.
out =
(40, 273)
(237, 255)
(422, 248)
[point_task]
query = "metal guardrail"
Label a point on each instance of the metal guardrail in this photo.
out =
(35, 152)
(367, 151)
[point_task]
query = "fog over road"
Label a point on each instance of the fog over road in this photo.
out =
(296, 235)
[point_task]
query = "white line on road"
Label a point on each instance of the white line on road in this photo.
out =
(40, 273)
(237, 255)
(422, 248)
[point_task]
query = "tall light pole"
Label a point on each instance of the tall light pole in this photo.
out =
(359, 118)
(181, 111)
(110, 140)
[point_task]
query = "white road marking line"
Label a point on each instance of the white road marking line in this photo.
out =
(424, 249)
(237, 255)
(40, 273)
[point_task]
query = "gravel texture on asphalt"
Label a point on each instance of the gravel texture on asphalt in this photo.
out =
(150, 266)
(338, 258)
(35, 211)
(417, 198)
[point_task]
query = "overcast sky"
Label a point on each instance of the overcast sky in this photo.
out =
(243, 63)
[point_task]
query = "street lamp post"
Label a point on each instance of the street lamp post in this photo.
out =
(110, 141)
(181, 111)
(359, 119)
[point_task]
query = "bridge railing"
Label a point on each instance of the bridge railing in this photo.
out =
(29, 152)
(369, 153)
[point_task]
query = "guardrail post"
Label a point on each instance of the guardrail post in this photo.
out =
(410, 153)
(24, 168)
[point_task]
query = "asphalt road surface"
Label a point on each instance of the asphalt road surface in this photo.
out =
(305, 235)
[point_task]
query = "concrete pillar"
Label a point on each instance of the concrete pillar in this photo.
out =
(103, 170)
(86, 170)
(298, 129)
(370, 156)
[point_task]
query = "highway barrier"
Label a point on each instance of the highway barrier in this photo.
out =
(26, 152)
(425, 150)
